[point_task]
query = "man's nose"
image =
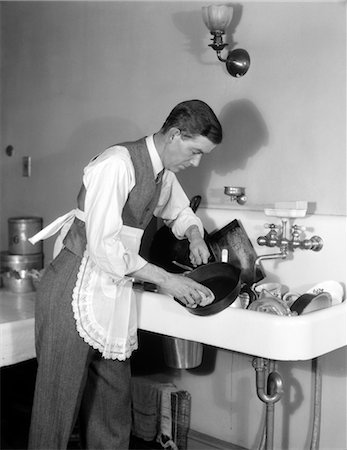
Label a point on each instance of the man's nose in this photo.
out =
(195, 161)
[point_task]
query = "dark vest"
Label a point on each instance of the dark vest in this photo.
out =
(141, 202)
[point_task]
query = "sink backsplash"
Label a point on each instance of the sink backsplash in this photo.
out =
(301, 269)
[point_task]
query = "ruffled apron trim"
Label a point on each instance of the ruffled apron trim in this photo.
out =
(104, 308)
(105, 311)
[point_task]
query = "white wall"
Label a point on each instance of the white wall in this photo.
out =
(229, 391)
(79, 76)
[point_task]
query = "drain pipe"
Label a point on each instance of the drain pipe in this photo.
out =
(274, 390)
(317, 404)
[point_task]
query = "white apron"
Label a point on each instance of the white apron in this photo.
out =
(104, 307)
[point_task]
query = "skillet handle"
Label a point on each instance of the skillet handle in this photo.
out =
(195, 202)
(245, 289)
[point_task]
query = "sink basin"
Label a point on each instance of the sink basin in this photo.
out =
(250, 332)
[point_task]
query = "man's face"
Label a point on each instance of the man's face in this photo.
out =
(181, 153)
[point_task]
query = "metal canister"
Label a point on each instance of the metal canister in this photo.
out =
(20, 229)
(17, 263)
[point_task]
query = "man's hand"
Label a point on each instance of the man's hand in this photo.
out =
(188, 291)
(184, 289)
(199, 253)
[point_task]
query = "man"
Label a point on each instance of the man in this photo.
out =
(85, 314)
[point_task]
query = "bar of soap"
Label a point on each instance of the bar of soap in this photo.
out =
(206, 299)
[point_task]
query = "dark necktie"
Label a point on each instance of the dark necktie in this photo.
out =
(159, 177)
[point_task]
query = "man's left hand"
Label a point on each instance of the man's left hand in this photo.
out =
(199, 253)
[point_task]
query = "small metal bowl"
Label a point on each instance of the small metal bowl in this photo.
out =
(16, 284)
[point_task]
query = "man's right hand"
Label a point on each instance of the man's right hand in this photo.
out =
(184, 289)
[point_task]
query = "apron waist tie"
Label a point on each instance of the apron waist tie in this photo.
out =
(56, 225)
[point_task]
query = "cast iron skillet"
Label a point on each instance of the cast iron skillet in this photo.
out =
(224, 280)
(166, 248)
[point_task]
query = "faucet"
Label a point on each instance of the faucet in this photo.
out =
(271, 239)
(277, 237)
(296, 232)
(281, 255)
(315, 243)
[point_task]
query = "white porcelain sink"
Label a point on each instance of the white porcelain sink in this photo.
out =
(251, 332)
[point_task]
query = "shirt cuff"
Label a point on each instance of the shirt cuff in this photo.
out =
(134, 262)
(185, 220)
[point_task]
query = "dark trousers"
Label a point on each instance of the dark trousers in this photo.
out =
(73, 379)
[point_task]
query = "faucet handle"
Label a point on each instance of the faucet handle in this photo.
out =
(272, 226)
(270, 240)
(262, 240)
(297, 228)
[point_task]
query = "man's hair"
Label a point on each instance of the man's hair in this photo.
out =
(194, 118)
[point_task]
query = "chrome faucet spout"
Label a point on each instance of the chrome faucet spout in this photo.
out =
(281, 255)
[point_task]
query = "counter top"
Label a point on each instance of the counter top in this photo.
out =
(17, 340)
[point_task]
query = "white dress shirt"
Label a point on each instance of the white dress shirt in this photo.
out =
(108, 180)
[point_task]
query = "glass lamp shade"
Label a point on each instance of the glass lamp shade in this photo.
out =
(217, 17)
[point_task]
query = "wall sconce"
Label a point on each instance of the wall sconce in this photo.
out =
(217, 18)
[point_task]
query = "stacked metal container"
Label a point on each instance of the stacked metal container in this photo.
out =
(23, 259)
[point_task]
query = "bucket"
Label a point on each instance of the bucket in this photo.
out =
(20, 229)
(181, 353)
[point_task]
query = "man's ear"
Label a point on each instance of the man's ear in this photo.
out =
(174, 132)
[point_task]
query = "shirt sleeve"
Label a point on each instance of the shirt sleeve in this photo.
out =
(173, 207)
(108, 179)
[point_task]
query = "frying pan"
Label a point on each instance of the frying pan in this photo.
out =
(165, 247)
(224, 280)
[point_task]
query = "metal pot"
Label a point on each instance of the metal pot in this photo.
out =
(20, 229)
(17, 284)
(224, 280)
(181, 353)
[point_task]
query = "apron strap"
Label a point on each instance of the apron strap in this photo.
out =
(56, 225)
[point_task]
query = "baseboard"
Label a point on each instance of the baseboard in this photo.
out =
(201, 441)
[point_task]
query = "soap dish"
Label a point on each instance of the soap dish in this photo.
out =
(287, 209)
